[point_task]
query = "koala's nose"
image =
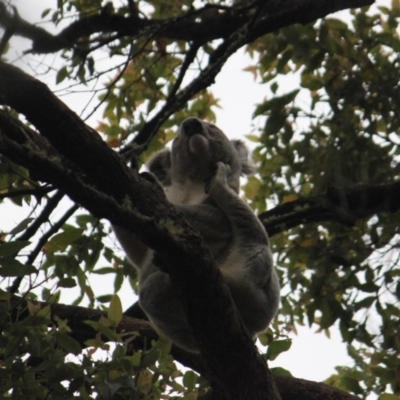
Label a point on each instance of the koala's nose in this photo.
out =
(191, 126)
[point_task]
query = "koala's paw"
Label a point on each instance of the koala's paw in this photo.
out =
(219, 179)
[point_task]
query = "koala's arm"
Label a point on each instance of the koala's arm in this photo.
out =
(208, 219)
(248, 270)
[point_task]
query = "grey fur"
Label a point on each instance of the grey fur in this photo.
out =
(236, 238)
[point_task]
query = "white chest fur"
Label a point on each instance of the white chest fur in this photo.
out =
(187, 193)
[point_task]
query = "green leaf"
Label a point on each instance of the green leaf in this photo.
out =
(281, 371)
(337, 24)
(21, 226)
(62, 240)
(12, 267)
(277, 347)
(61, 74)
(365, 303)
(388, 396)
(11, 248)
(67, 343)
(274, 123)
(190, 380)
(114, 313)
(312, 82)
(67, 283)
(351, 384)
(119, 352)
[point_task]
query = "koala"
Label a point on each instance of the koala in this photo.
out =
(200, 176)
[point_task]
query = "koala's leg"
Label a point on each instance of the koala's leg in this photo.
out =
(157, 298)
(248, 268)
(159, 301)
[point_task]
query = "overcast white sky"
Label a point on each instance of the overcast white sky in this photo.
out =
(312, 356)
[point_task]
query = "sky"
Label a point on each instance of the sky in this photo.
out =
(312, 356)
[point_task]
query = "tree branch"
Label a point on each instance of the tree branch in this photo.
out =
(200, 25)
(37, 192)
(343, 205)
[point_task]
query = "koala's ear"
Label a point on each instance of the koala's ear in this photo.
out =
(245, 161)
(160, 166)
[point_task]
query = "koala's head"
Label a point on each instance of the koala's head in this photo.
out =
(195, 151)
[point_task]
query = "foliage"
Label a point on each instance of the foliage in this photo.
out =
(339, 127)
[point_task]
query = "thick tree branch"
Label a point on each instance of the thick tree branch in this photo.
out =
(36, 192)
(199, 26)
(343, 205)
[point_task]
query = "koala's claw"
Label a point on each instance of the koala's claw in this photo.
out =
(219, 178)
(207, 184)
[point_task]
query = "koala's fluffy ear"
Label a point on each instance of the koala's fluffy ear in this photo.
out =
(245, 161)
(160, 166)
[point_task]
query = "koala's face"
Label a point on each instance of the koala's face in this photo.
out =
(195, 152)
(197, 148)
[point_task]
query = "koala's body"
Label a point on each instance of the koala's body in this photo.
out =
(200, 176)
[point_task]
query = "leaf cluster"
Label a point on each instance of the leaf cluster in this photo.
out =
(340, 128)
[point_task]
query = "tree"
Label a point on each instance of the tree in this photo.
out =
(328, 156)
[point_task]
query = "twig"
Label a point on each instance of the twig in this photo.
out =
(41, 242)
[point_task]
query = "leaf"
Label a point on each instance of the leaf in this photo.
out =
(277, 347)
(190, 380)
(336, 24)
(281, 371)
(136, 358)
(21, 226)
(11, 248)
(119, 352)
(114, 313)
(194, 395)
(253, 69)
(311, 242)
(62, 240)
(67, 283)
(290, 197)
(388, 396)
(44, 312)
(312, 82)
(61, 74)
(33, 308)
(277, 103)
(67, 343)
(365, 303)
(12, 267)
(274, 123)
(4, 296)
(351, 384)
